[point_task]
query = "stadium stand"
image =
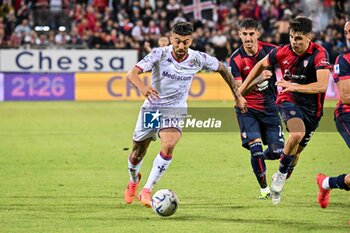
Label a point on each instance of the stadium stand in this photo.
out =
(127, 24)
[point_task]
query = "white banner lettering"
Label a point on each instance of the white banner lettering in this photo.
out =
(67, 60)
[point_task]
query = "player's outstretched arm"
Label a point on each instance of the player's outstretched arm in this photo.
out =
(254, 73)
(227, 76)
(134, 78)
(261, 82)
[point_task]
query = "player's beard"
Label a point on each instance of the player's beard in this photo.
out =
(180, 54)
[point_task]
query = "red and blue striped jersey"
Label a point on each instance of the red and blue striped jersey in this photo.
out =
(342, 72)
(241, 64)
(301, 70)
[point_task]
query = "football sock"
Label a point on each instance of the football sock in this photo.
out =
(338, 182)
(134, 170)
(285, 162)
(290, 171)
(160, 164)
(325, 184)
(258, 164)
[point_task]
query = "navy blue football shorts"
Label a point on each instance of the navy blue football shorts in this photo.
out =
(266, 125)
(290, 110)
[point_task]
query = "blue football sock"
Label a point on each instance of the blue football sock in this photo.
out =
(285, 162)
(290, 171)
(258, 164)
(338, 182)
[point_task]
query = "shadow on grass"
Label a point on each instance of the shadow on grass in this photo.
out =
(340, 205)
(56, 197)
(60, 204)
(214, 206)
(298, 225)
(88, 206)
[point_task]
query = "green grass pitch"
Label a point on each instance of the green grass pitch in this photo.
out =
(63, 168)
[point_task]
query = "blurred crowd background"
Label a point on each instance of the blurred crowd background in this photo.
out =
(128, 24)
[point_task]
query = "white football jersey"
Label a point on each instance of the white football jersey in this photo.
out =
(172, 79)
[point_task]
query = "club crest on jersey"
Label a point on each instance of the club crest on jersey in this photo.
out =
(305, 63)
(292, 112)
(191, 63)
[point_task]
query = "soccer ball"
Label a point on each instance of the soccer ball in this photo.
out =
(165, 202)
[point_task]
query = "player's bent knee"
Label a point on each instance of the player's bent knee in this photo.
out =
(296, 136)
(169, 146)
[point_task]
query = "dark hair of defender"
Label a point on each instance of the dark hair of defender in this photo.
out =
(182, 28)
(249, 23)
(301, 24)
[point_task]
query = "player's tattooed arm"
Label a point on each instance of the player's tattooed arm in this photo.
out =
(227, 76)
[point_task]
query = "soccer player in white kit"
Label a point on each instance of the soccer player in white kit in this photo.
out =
(173, 68)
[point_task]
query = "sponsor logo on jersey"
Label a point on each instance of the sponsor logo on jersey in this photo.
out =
(176, 77)
(289, 76)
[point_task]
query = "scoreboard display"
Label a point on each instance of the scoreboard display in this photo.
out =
(39, 86)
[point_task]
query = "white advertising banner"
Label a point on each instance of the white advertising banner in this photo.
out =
(13, 60)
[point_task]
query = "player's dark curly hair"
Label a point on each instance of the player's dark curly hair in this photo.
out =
(301, 24)
(249, 23)
(182, 28)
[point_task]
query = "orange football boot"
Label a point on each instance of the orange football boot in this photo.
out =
(323, 194)
(130, 191)
(145, 197)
